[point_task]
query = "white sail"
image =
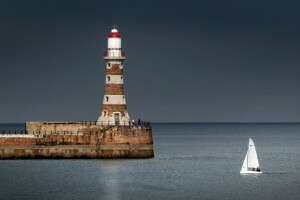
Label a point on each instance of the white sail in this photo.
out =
(252, 156)
(245, 167)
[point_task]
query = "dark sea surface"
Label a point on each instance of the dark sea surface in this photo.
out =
(192, 161)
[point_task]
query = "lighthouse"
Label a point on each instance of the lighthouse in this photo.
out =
(112, 136)
(114, 108)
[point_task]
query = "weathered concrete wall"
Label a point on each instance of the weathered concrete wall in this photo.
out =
(107, 134)
(49, 140)
(59, 127)
(17, 141)
(76, 140)
(77, 151)
(126, 134)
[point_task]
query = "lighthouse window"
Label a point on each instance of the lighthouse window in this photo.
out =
(108, 78)
(107, 98)
(121, 77)
(123, 97)
(104, 113)
(108, 64)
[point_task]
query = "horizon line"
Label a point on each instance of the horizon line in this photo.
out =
(185, 122)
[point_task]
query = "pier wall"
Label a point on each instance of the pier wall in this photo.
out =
(56, 127)
(76, 151)
(75, 140)
(17, 141)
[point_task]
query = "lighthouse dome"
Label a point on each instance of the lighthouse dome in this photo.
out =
(114, 33)
(114, 43)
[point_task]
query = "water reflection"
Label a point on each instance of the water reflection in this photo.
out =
(112, 186)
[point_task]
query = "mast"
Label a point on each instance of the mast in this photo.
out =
(248, 154)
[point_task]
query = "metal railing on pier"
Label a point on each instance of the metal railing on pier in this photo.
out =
(89, 123)
(124, 123)
(64, 132)
(24, 132)
(91, 130)
(13, 132)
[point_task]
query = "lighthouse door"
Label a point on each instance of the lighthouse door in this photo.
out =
(117, 118)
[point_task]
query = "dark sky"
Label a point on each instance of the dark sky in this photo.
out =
(191, 60)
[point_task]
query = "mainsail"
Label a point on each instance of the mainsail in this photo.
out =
(252, 156)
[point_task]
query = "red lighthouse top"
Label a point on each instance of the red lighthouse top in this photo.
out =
(114, 33)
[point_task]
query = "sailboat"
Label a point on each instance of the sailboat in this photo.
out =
(251, 165)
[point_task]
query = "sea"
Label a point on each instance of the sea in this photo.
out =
(192, 161)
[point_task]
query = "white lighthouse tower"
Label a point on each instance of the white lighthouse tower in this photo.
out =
(114, 109)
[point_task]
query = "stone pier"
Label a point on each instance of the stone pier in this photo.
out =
(78, 140)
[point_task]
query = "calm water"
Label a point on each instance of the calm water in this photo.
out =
(192, 161)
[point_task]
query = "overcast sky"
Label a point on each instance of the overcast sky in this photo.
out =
(190, 61)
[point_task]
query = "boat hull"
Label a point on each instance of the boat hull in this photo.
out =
(250, 172)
